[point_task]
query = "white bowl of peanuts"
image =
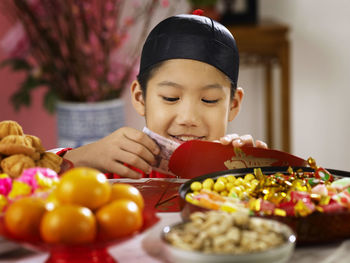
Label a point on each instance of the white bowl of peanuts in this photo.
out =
(218, 236)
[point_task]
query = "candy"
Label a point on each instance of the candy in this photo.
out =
(5, 184)
(296, 193)
(219, 186)
(303, 209)
(229, 186)
(229, 207)
(343, 198)
(279, 212)
(19, 189)
(196, 186)
(39, 178)
(320, 189)
(208, 184)
(341, 183)
(323, 174)
(231, 178)
(332, 207)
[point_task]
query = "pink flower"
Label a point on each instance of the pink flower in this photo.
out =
(87, 6)
(93, 40)
(72, 44)
(87, 49)
(111, 77)
(109, 7)
(93, 84)
(110, 22)
(15, 43)
(99, 69)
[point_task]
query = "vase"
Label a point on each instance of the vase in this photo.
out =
(82, 123)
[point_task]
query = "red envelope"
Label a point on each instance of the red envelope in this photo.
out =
(195, 158)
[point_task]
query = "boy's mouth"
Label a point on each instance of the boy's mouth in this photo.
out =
(186, 138)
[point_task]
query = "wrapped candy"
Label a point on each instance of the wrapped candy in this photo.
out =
(341, 183)
(5, 184)
(343, 197)
(332, 207)
(294, 193)
(302, 208)
(320, 189)
(324, 175)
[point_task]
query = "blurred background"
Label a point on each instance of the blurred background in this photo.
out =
(319, 65)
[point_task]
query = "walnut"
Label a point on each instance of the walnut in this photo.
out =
(228, 233)
(10, 128)
(15, 164)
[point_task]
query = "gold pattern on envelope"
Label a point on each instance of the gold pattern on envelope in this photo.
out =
(241, 160)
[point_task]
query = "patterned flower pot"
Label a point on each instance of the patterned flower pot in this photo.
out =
(82, 123)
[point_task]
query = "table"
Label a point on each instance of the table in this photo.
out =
(266, 43)
(146, 248)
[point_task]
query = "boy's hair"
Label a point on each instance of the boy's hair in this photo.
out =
(190, 37)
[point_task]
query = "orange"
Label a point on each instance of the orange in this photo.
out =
(126, 191)
(119, 218)
(52, 201)
(83, 186)
(68, 224)
(22, 217)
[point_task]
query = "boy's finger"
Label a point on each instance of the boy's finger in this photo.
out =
(142, 138)
(229, 138)
(138, 150)
(247, 140)
(261, 144)
(135, 161)
(237, 143)
(122, 170)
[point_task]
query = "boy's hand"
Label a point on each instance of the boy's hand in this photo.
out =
(124, 146)
(244, 140)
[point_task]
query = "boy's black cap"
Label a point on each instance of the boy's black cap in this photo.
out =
(192, 37)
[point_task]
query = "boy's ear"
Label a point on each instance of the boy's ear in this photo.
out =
(137, 98)
(235, 104)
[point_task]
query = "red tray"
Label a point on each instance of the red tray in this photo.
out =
(95, 252)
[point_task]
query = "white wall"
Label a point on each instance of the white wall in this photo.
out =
(320, 80)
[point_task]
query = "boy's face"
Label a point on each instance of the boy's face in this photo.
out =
(186, 100)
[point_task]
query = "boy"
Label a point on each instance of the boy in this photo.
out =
(186, 89)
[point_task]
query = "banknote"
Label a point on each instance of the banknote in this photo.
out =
(167, 147)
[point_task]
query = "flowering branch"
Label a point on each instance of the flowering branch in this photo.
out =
(75, 48)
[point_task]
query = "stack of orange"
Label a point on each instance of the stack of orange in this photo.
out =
(83, 207)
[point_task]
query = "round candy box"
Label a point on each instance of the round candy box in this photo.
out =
(320, 221)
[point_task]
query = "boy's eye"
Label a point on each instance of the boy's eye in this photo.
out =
(170, 99)
(210, 101)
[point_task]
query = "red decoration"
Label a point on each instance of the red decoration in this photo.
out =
(198, 12)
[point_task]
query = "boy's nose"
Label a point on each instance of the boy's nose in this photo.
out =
(188, 115)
